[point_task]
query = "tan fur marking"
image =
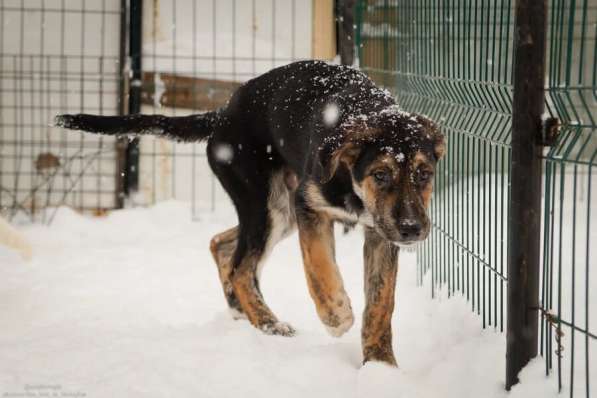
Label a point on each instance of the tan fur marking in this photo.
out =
(369, 189)
(389, 203)
(317, 202)
(369, 193)
(314, 196)
(251, 301)
(241, 289)
(387, 161)
(240, 281)
(426, 194)
(383, 202)
(419, 159)
(347, 154)
(243, 282)
(381, 265)
(323, 277)
(222, 247)
(440, 146)
(291, 180)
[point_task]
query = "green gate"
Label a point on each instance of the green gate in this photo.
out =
(568, 339)
(453, 61)
(454, 64)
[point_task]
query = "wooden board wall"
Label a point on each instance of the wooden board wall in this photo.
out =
(324, 30)
(185, 91)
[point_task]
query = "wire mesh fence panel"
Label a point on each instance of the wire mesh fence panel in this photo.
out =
(195, 54)
(452, 61)
(51, 62)
(568, 332)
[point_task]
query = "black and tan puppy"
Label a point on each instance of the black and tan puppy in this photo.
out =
(306, 145)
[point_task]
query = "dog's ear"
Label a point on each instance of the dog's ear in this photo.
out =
(439, 140)
(346, 153)
(343, 147)
(439, 145)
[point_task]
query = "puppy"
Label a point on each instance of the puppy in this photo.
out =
(303, 146)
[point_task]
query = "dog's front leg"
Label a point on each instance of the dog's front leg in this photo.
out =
(381, 265)
(316, 234)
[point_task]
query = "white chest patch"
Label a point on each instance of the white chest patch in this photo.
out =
(319, 203)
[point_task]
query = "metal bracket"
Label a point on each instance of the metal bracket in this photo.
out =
(549, 131)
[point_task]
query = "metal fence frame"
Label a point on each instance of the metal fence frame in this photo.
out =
(567, 337)
(42, 167)
(44, 70)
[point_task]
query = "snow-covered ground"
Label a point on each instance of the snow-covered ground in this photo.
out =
(130, 306)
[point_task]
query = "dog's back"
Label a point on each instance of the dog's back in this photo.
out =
(290, 110)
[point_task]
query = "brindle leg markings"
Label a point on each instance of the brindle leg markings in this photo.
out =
(244, 283)
(323, 277)
(222, 248)
(381, 265)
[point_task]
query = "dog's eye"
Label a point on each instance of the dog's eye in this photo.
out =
(381, 176)
(424, 175)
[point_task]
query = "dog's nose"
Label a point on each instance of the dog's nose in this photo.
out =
(409, 229)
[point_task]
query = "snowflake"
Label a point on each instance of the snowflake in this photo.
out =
(223, 153)
(331, 114)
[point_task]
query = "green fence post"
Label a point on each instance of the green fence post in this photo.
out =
(524, 222)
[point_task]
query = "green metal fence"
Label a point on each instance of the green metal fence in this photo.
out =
(453, 61)
(568, 339)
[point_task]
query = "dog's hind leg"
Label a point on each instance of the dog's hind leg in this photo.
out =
(245, 285)
(260, 227)
(223, 246)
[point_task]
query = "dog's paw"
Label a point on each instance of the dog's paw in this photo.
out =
(339, 326)
(338, 319)
(388, 360)
(379, 353)
(278, 329)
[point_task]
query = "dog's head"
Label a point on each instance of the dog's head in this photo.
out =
(391, 158)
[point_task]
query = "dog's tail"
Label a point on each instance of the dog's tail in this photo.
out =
(182, 128)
